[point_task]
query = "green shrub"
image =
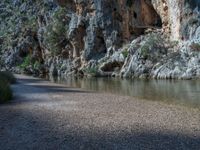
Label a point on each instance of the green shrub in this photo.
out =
(26, 62)
(30, 23)
(151, 44)
(91, 71)
(56, 31)
(54, 37)
(5, 91)
(195, 47)
(36, 65)
(145, 51)
(60, 14)
(6, 78)
(125, 53)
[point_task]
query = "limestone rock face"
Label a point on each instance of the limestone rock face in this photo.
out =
(127, 38)
(105, 23)
(175, 15)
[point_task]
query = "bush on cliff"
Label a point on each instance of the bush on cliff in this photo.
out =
(195, 47)
(26, 62)
(125, 53)
(55, 34)
(152, 48)
(93, 71)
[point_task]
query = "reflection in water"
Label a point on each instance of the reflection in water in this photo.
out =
(176, 91)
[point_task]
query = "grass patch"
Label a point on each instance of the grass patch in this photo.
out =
(91, 71)
(125, 53)
(6, 78)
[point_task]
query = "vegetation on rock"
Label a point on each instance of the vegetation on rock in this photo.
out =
(56, 31)
(195, 47)
(152, 47)
(93, 71)
(125, 53)
(26, 62)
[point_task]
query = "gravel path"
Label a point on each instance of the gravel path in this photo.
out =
(48, 116)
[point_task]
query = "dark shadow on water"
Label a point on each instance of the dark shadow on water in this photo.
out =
(48, 88)
(181, 92)
(58, 89)
(36, 80)
(40, 92)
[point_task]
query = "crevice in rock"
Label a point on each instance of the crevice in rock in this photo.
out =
(100, 45)
(111, 66)
(144, 16)
(78, 42)
(67, 3)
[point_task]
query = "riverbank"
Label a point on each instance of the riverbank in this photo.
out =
(46, 115)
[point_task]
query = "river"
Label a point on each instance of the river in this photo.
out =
(183, 92)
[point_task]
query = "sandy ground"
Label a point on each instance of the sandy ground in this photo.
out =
(48, 116)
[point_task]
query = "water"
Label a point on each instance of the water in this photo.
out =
(182, 92)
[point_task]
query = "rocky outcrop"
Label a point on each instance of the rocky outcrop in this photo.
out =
(176, 16)
(152, 56)
(127, 38)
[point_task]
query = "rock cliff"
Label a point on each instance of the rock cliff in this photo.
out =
(125, 38)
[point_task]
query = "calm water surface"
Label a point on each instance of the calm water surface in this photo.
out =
(176, 91)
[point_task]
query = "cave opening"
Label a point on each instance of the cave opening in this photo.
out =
(144, 17)
(100, 44)
(135, 15)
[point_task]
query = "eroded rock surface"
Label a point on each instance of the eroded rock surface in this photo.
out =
(127, 38)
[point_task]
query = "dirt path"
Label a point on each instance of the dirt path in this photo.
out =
(47, 116)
